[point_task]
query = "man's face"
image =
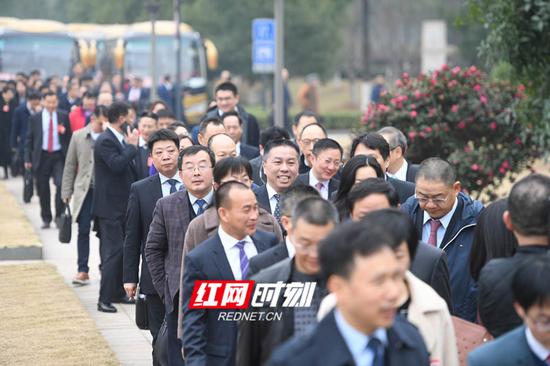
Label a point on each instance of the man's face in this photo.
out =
(369, 297)
(363, 150)
(302, 122)
(34, 104)
(146, 127)
(196, 173)
(184, 142)
(50, 103)
(233, 128)
(165, 122)
(373, 202)
(435, 197)
(241, 177)
(309, 137)
(211, 130)
(226, 100)
(241, 215)
(223, 146)
(281, 167)
(74, 91)
(537, 319)
(326, 164)
(306, 237)
(88, 104)
(165, 157)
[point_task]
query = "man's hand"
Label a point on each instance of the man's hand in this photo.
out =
(28, 165)
(130, 289)
(132, 137)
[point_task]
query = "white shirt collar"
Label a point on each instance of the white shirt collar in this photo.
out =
(238, 148)
(313, 180)
(401, 174)
(445, 220)
(538, 348)
(118, 135)
(228, 241)
(270, 191)
(290, 247)
(207, 198)
(164, 179)
(142, 142)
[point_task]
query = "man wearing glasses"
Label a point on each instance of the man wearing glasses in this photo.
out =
(308, 137)
(446, 218)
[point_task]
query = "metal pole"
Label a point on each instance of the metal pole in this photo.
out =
(177, 81)
(153, 9)
(279, 59)
(365, 38)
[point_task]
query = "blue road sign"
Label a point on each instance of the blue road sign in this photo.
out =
(263, 45)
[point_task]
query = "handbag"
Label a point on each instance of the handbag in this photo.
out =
(468, 337)
(142, 313)
(28, 190)
(65, 223)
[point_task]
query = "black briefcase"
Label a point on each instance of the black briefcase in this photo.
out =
(142, 315)
(28, 186)
(65, 225)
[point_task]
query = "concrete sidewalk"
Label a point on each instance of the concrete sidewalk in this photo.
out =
(131, 345)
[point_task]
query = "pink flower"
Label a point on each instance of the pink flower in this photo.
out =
(477, 87)
(502, 170)
(413, 106)
(521, 88)
(428, 129)
(472, 69)
(475, 167)
(405, 75)
(505, 164)
(461, 125)
(383, 107)
(412, 135)
(493, 126)
(452, 83)
(433, 81)
(444, 67)
(456, 70)
(417, 94)
(431, 112)
(422, 135)
(517, 141)
(413, 114)
(483, 99)
(398, 83)
(454, 108)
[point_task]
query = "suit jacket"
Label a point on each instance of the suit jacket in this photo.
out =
(164, 246)
(405, 347)
(271, 256)
(333, 183)
(207, 341)
(19, 128)
(33, 143)
(144, 195)
(115, 172)
(404, 189)
(510, 349)
(430, 265)
(303, 168)
(258, 175)
(251, 128)
(249, 152)
(64, 103)
(412, 169)
(79, 169)
(263, 198)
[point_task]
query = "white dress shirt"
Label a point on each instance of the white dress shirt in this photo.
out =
(46, 130)
(290, 247)
(142, 142)
(538, 348)
(207, 198)
(118, 135)
(238, 148)
(272, 200)
(313, 182)
(233, 253)
(401, 174)
(445, 221)
(165, 186)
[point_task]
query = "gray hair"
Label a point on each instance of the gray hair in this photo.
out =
(396, 137)
(315, 211)
(437, 169)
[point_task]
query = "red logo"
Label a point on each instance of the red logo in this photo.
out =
(221, 294)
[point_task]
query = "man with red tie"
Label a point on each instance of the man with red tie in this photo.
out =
(48, 138)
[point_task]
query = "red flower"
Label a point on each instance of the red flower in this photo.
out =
(428, 129)
(413, 114)
(477, 87)
(517, 141)
(493, 126)
(405, 75)
(444, 67)
(483, 99)
(454, 108)
(472, 69)
(475, 167)
(422, 135)
(521, 88)
(61, 129)
(417, 94)
(461, 125)
(456, 70)
(398, 83)
(412, 135)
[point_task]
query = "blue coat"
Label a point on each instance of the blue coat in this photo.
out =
(511, 349)
(457, 244)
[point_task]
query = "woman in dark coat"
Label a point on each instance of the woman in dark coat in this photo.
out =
(7, 106)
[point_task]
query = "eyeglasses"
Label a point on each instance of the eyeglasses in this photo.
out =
(436, 201)
(541, 323)
(335, 163)
(309, 249)
(308, 142)
(201, 168)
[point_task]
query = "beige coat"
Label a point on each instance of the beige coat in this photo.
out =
(79, 168)
(427, 311)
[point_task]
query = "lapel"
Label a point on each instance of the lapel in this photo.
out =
(332, 186)
(191, 210)
(220, 259)
(181, 212)
(37, 125)
(453, 227)
(260, 244)
(263, 198)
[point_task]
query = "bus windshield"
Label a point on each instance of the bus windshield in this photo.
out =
(51, 54)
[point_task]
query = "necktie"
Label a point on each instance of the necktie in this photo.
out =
(172, 183)
(319, 186)
(378, 350)
(50, 135)
(243, 258)
(201, 203)
(434, 225)
(277, 211)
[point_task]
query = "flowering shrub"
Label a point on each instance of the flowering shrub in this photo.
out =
(459, 115)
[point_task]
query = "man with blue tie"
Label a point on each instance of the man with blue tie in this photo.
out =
(224, 256)
(164, 247)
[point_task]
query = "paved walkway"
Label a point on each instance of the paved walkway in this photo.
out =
(131, 345)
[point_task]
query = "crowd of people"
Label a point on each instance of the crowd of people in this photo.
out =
(399, 252)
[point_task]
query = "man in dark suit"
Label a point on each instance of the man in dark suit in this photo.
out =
(166, 92)
(48, 137)
(429, 263)
(144, 195)
(138, 95)
(528, 344)
(527, 218)
(326, 160)
(285, 249)
(164, 247)
(268, 134)
(147, 125)
(20, 123)
(224, 256)
(115, 171)
(366, 279)
(398, 167)
(374, 144)
(301, 120)
(72, 97)
(313, 219)
(311, 133)
(234, 126)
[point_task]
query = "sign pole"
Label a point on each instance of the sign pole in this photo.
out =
(279, 60)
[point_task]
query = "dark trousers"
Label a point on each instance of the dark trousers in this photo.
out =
(111, 237)
(51, 166)
(84, 224)
(155, 312)
(174, 344)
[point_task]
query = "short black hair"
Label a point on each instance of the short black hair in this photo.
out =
(326, 144)
(437, 169)
(234, 114)
(373, 141)
(315, 211)
(222, 194)
(89, 95)
(529, 203)
(294, 195)
(530, 283)
(117, 110)
(33, 95)
(165, 113)
(227, 85)
(231, 164)
(337, 251)
(277, 143)
(162, 135)
(181, 137)
(48, 93)
(207, 121)
(397, 138)
(305, 114)
(402, 228)
(147, 114)
(194, 150)
(273, 133)
(316, 125)
(175, 125)
(372, 186)
(101, 111)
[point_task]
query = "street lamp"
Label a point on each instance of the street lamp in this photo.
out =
(153, 7)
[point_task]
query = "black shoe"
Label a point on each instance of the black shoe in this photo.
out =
(124, 300)
(45, 225)
(106, 307)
